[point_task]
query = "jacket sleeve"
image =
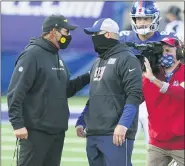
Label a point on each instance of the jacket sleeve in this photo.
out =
(129, 70)
(21, 81)
(77, 84)
(80, 120)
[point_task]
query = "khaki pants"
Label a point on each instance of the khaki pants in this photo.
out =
(160, 157)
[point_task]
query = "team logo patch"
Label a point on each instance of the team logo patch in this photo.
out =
(20, 69)
(98, 74)
(111, 61)
(176, 83)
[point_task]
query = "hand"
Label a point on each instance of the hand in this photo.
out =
(80, 131)
(148, 74)
(21, 133)
(119, 135)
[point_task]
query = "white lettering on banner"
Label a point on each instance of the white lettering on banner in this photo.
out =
(99, 73)
(68, 9)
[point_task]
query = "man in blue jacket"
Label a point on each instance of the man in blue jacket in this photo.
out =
(111, 116)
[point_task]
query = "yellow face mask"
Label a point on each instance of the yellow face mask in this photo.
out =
(64, 41)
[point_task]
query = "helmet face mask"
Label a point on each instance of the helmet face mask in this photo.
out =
(145, 9)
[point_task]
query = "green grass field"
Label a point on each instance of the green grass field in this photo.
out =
(74, 148)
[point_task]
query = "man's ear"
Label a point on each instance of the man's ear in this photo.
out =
(108, 35)
(54, 31)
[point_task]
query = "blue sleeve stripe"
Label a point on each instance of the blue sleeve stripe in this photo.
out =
(128, 115)
(80, 120)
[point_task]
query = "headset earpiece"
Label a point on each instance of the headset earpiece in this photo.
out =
(179, 51)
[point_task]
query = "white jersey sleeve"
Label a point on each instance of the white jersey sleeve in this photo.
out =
(176, 27)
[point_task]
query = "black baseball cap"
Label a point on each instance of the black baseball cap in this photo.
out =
(56, 21)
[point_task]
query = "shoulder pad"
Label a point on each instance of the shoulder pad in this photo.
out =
(168, 34)
(125, 33)
(164, 33)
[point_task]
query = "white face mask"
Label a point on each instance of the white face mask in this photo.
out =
(142, 31)
(151, 28)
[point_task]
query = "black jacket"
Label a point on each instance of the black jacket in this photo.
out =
(116, 80)
(39, 88)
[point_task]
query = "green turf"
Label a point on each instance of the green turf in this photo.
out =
(79, 101)
(74, 149)
(3, 99)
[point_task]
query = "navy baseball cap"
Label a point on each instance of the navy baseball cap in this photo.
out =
(104, 24)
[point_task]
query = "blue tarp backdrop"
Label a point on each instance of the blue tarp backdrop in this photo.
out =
(23, 20)
(77, 63)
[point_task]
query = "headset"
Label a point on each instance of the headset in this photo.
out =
(173, 42)
(180, 50)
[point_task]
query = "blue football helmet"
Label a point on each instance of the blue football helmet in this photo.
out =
(143, 8)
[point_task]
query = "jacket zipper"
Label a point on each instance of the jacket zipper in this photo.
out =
(58, 66)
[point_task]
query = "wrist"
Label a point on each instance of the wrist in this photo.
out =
(80, 122)
(164, 87)
(152, 78)
(123, 125)
(125, 128)
(79, 126)
(18, 126)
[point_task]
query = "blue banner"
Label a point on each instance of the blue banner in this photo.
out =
(23, 20)
(77, 64)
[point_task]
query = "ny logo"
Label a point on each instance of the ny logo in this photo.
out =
(98, 73)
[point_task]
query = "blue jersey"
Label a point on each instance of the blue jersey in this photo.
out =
(131, 36)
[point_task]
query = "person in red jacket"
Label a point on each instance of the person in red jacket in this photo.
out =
(164, 96)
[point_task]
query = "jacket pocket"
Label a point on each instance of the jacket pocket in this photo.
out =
(56, 112)
(178, 127)
(118, 104)
(161, 135)
(102, 114)
(160, 132)
(44, 107)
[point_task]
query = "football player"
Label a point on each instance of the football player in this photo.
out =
(145, 18)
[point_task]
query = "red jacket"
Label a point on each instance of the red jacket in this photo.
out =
(166, 112)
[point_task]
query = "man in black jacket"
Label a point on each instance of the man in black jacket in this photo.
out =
(111, 116)
(37, 95)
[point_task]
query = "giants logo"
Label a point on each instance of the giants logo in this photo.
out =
(99, 73)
